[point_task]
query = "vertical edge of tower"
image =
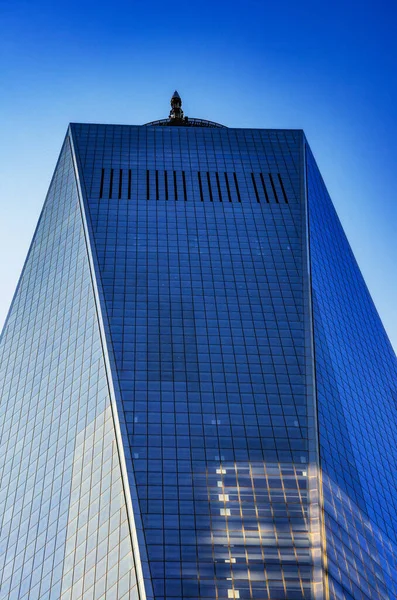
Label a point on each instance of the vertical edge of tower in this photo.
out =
(135, 526)
(316, 510)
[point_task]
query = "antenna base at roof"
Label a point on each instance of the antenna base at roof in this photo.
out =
(177, 118)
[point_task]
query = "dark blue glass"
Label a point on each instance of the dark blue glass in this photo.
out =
(200, 248)
(356, 371)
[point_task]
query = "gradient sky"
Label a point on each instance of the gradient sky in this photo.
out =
(329, 68)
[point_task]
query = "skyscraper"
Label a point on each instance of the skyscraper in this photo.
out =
(198, 397)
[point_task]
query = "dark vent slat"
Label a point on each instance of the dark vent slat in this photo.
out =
(129, 184)
(101, 186)
(255, 187)
(283, 188)
(200, 186)
(184, 186)
(209, 187)
(228, 187)
(218, 185)
(264, 187)
(166, 184)
(111, 183)
(237, 187)
(175, 187)
(273, 188)
(120, 183)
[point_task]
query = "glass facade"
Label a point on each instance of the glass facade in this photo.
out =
(64, 530)
(356, 371)
(189, 342)
(200, 254)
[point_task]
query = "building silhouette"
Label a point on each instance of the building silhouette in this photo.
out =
(198, 398)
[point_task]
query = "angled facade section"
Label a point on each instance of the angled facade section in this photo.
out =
(356, 373)
(65, 532)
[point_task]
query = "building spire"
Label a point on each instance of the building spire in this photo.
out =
(176, 112)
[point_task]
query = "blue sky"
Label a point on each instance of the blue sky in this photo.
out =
(329, 68)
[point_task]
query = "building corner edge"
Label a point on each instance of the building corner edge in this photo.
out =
(144, 593)
(316, 502)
